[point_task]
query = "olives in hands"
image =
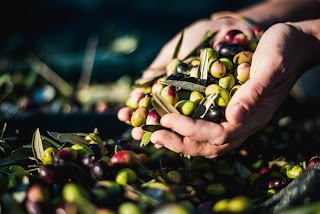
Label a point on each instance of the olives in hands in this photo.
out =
(215, 114)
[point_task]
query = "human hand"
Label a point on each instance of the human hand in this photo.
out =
(193, 35)
(283, 53)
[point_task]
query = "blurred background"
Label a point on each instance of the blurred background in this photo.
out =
(68, 65)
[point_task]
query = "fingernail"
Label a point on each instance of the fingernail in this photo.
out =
(238, 113)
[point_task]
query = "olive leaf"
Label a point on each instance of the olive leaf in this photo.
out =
(177, 49)
(58, 146)
(68, 137)
(145, 138)
(151, 128)
(16, 156)
(162, 106)
(204, 67)
(37, 146)
(207, 36)
(185, 85)
(204, 106)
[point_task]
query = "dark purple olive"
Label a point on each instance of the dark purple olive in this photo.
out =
(46, 173)
(88, 160)
(215, 114)
(176, 76)
(229, 50)
(231, 34)
(65, 154)
(182, 67)
(96, 150)
(192, 80)
(99, 171)
(313, 161)
(277, 183)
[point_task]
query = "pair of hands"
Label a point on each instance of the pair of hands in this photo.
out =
(279, 60)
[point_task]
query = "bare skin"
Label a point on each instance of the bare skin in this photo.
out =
(284, 52)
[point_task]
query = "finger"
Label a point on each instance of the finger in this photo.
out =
(137, 133)
(124, 115)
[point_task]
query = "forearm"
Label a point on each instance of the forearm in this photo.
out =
(270, 12)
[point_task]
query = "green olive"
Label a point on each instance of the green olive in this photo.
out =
(139, 116)
(172, 65)
(243, 57)
(239, 204)
(252, 45)
(173, 176)
(294, 172)
(216, 189)
(73, 193)
(212, 54)
(186, 107)
(223, 96)
(220, 206)
(157, 88)
(126, 176)
(196, 97)
(145, 101)
(47, 157)
(218, 69)
(227, 82)
(242, 73)
(82, 150)
(234, 89)
(228, 63)
(129, 208)
(133, 100)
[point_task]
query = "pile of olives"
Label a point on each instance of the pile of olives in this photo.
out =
(220, 71)
(119, 176)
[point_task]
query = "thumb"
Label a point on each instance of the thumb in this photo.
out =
(244, 101)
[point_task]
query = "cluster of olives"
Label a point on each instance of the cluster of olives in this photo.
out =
(220, 71)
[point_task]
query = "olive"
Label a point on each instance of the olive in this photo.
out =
(96, 150)
(195, 62)
(218, 69)
(153, 118)
(194, 72)
(216, 189)
(186, 107)
(145, 101)
(139, 116)
(243, 57)
(126, 176)
(215, 114)
(252, 45)
(227, 82)
(37, 193)
(223, 95)
(196, 97)
(192, 80)
(239, 204)
(47, 157)
(230, 35)
(172, 66)
(313, 161)
(277, 183)
(47, 173)
(264, 170)
(220, 206)
(88, 160)
(129, 208)
(99, 170)
(173, 176)
(177, 208)
(228, 63)
(234, 89)
(182, 67)
(133, 100)
(157, 88)
(240, 39)
(294, 172)
(242, 72)
(65, 154)
(124, 158)
(229, 50)
(170, 94)
(271, 192)
(212, 80)
(176, 76)
(73, 193)
(81, 150)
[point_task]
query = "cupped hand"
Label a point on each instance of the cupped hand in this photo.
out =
(193, 34)
(282, 55)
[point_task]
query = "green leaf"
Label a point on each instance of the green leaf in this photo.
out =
(16, 156)
(185, 85)
(117, 148)
(177, 49)
(162, 106)
(145, 138)
(37, 146)
(58, 146)
(68, 137)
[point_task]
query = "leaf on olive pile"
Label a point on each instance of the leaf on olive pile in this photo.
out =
(207, 36)
(204, 67)
(37, 146)
(151, 128)
(16, 156)
(185, 85)
(68, 137)
(162, 106)
(204, 106)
